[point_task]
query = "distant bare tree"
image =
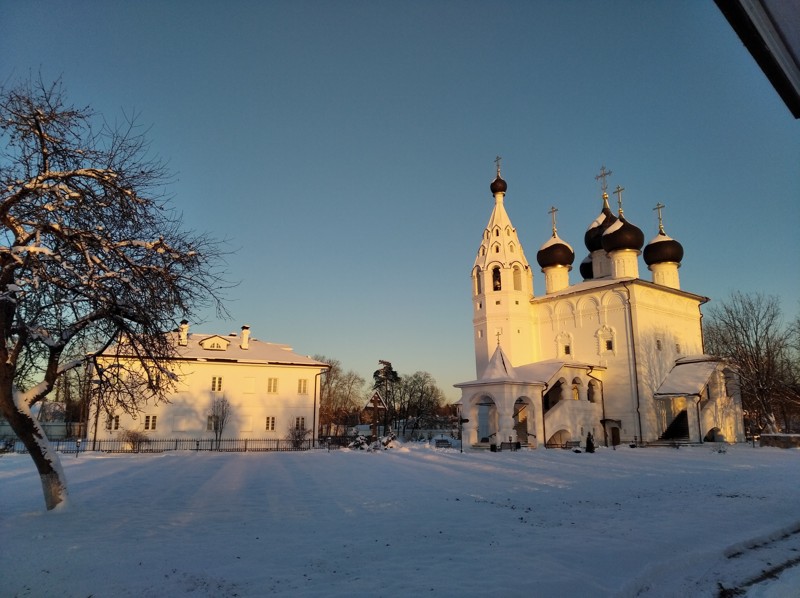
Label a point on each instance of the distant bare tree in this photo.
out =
(89, 250)
(297, 434)
(219, 416)
(747, 330)
(342, 396)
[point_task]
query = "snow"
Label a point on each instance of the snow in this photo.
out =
(412, 519)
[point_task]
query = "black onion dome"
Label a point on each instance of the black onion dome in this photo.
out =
(498, 185)
(663, 249)
(586, 269)
(555, 253)
(593, 238)
(623, 235)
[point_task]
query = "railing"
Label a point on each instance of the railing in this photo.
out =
(161, 445)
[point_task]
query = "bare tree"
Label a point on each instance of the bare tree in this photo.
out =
(219, 416)
(342, 396)
(747, 330)
(422, 399)
(89, 250)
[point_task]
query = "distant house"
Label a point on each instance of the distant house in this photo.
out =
(269, 390)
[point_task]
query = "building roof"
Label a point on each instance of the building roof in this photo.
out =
(770, 30)
(598, 283)
(688, 377)
(257, 351)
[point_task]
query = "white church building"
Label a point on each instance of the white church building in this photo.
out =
(269, 388)
(613, 354)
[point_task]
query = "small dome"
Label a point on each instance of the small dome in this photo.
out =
(593, 238)
(622, 235)
(663, 249)
(586, 269)
(498, 185)
(555, 253)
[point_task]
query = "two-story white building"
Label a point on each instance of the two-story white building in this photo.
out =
(269, 390)
(613, 355)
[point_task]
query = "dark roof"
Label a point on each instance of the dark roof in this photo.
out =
(770, 30)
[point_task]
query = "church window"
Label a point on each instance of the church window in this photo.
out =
(480, 333)
(658, 344)
(272, 385)
(567, 350)
(497, 249)
(517, 279)
(497, 232)
(216, 384)
(609, 345)
(150, 422)
(302, 387)
(496, 285)
(678, 348)
(270, 424)
(511, 248)
(590, 392)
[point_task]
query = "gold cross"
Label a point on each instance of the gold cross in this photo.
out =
(552, 213)
(603, 174)
(619, 191)
(497, 161)
(660, 206)
(498, 337)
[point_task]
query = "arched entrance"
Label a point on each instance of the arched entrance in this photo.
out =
(524, 421)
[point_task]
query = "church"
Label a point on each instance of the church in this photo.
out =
(613, 355)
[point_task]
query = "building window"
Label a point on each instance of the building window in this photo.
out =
(567, 350)
(678, 348)
(300, 423)
(517, 279)
(658, 344)
(213, 422)
(272, 385)
(609, 345)
(302, 387)
(270, 424)
(150, 422)
(496, 278)
(216, 384)
(112, 422)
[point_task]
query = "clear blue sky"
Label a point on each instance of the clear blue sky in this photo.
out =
(345, 149)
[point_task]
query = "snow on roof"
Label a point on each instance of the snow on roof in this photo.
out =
(555, 239)
(257, 351)
(689, 376)
(660, 237)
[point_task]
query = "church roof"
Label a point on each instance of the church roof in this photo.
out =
(598, 283)
(689, 376)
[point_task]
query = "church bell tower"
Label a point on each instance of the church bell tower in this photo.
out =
(502, 288)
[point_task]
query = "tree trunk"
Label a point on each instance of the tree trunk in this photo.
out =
(54, 485)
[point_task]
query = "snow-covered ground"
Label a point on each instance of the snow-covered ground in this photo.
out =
(406, 521)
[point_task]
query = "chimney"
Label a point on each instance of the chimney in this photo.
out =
(245, 337)
(183, 333)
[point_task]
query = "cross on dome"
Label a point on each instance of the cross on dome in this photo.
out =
(602, 178)
(660, 206)
(618, 191)
(552, 213)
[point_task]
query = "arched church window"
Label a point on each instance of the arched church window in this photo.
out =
(496, 278)
(478, 283)
(590, 392)
(517, 279)
(497, 232)
(511, 248)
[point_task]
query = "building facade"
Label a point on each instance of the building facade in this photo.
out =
(269, 391)
(613, 355)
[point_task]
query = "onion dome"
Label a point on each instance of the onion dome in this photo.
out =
(498, 185)
(663, 249)
(586, 268)
(593, 238)
(622, 235)
(555, 253)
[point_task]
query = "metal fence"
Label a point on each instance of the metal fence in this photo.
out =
(159, 445)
